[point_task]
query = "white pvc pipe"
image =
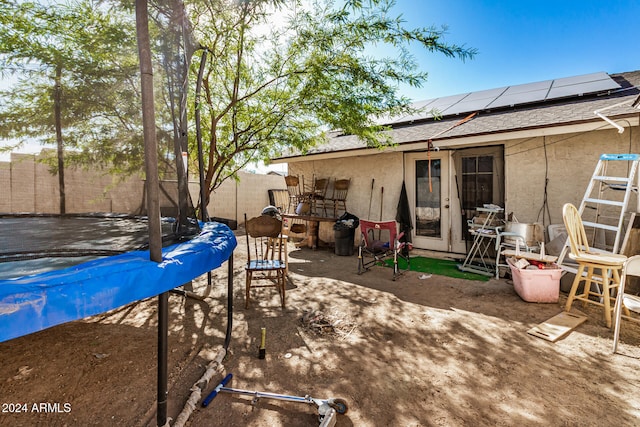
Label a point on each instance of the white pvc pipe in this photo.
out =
(607, 119)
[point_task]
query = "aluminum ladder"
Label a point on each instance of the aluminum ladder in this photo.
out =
(604, 217)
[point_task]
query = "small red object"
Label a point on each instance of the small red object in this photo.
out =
(541, 265)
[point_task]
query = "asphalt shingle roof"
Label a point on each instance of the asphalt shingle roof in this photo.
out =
(559, 112)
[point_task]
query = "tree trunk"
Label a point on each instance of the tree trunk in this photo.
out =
(57, 110)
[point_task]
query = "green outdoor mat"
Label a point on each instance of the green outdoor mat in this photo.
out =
(441, 267)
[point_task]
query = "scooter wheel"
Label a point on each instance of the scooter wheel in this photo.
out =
(340, 405)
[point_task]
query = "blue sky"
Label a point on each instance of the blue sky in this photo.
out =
(523, 41)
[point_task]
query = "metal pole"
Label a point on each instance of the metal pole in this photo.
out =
(203, 207)
(204, 215)
(153, 205)
(227, 338)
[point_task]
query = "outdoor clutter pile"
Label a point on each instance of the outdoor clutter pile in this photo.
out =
(535, 281)
(525, 264)
(347, 221)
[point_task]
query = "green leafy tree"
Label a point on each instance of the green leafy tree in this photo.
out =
(265, 88)
(268, 88)
(75, 66)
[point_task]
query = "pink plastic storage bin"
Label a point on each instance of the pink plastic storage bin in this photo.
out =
(536, 285)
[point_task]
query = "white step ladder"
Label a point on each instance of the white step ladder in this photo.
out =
(604, 207)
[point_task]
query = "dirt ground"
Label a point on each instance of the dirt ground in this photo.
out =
(418, 351)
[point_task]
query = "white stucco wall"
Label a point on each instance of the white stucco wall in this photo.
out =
(569, 163)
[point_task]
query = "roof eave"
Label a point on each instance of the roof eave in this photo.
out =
(485, 138)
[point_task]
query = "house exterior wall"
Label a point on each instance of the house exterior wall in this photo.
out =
(572, 159)
(568, 164)
(385, 169)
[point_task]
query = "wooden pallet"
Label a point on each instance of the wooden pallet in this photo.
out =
(558, 326)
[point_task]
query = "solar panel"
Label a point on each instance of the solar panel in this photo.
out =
(529, 87)
(509, 96)
(572, 86)
(441, 104)
(519, 98)
(474, 101)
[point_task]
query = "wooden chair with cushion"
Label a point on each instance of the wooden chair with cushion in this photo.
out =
(265, 247)
(596, 270)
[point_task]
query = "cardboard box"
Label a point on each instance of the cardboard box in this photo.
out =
(539, 285)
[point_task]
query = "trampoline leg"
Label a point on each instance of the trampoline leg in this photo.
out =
(163, 329)
(227, 338)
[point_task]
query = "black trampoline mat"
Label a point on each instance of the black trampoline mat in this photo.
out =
(36, 244)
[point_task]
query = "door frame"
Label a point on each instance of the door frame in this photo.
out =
(451, 217)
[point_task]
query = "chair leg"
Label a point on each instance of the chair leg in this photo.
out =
(604, 293)
(606, 297)
(283, 284)
(247, 290)
(588, 282)
(285, 242)
(614, 283)
(574, 288)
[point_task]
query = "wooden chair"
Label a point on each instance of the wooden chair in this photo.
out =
(295, 194)
(264, 255)
(277, 244)
(627, 302)
(338, 199)
(593, 268)
(318, 195)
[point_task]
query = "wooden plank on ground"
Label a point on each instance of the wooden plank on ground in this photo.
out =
(529, 255)
(558, 326)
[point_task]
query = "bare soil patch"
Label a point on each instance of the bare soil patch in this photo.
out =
(412, 352)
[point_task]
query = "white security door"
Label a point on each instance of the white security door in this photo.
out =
(428, 184)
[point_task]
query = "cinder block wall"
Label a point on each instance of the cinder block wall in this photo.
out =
(249, 195)
(5, 187)
(45, 188)
(23, 179)
(27, 186)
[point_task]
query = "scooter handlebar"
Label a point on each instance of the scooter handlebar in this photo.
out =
(216, 390)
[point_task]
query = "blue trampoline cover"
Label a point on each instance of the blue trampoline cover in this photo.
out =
(32, 303)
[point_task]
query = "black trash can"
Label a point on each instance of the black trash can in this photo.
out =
(344, 234)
